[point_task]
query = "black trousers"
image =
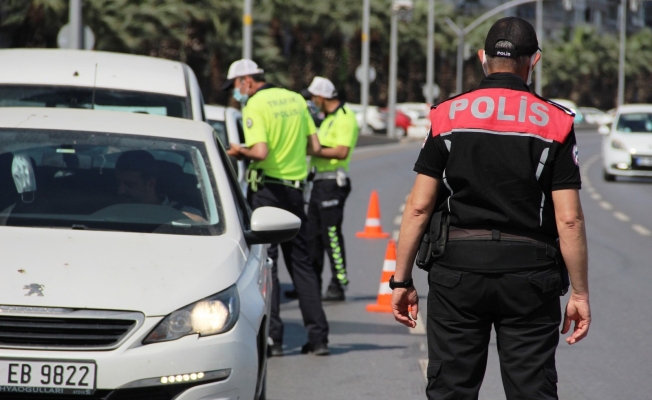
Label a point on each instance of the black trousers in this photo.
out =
(523, 306)
(297, 260)
(325, 216)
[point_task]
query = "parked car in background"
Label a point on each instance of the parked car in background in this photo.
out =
(579, 118)
(419, 118)
(594, 116)
(627, 145)
(100, 81)
(375, 119)
(227, 122)
(132, 266)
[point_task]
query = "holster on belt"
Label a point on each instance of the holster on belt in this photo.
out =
(433, 240)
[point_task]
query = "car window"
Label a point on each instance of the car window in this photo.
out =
(238, 121)
(243, 209)
(635, 123)
(89, 98)
(220, 131)
(106, 181)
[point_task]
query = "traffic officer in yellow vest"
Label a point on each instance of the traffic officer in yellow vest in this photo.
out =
(278, 132)
(338, 135)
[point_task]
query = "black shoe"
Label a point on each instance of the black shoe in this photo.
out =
(334, 293)
(275, 350)
(316, 349)
(291, 294)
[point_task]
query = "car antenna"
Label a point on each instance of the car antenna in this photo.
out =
(94, 86)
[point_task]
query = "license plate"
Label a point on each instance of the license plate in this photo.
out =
(47, 377)
(644, 161)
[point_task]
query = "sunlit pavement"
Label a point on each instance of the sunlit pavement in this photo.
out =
(374, 357)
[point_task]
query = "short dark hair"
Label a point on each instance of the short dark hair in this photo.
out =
(258, 77)
(140, 161)
(510, 63)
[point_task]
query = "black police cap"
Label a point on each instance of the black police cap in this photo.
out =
(518, 32)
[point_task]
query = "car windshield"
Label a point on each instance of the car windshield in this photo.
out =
(635, 123)
(107, 181)
(98, 99)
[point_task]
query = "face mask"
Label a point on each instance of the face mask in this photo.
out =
(529, 75)
(485, 68)
(239, 97)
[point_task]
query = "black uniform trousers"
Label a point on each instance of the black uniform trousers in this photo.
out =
(522, 305)
(297, 260)
(325, 216)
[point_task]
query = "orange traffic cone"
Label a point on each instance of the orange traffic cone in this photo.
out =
(372, 228)
(384, 302)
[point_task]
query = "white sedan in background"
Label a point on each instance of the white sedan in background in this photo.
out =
(132, 267)
(627, 145)
(99, 80)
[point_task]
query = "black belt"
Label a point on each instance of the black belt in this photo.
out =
(496, 250)
(276, 181)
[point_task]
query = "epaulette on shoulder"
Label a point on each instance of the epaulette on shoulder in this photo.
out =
(451, 98)
(559, 106)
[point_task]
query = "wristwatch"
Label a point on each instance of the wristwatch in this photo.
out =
(400, 284)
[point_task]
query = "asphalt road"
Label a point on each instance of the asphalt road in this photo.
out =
(373, 357)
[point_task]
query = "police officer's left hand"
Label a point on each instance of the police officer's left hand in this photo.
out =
(405, 301)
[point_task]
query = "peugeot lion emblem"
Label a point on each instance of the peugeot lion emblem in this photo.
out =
(34, 288)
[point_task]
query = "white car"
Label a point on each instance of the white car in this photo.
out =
(627, 145)
(99, 80)
(579, 117)
(596, 117)
(227, 122)
(108, 292)
(419, 114)
(375, 120)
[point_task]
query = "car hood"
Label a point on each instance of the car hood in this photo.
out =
(642, 142)
(151, 273)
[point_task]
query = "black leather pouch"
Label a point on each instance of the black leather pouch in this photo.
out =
(433, 240)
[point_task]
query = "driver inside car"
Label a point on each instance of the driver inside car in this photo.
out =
(136, 174)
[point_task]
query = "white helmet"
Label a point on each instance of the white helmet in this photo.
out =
(241, 68)
(322, 87)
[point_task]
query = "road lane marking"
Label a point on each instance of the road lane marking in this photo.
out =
(621, 216)
(398, 219)
(641, 230)
(423, 363)
(395, 235)
(402, 208)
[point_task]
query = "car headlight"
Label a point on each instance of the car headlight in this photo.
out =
(210, 316)
(617, 144)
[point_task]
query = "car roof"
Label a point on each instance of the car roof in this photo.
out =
(104, 121)
(633, 108)
(61, 67)
(215, 113)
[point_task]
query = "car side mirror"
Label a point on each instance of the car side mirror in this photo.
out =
(604, 130)
(271, 225)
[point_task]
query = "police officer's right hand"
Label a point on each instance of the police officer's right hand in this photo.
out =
(578, 310)
(405, 301)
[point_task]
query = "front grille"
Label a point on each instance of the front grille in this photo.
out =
(73, 332)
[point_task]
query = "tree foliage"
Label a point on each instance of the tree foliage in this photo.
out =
(295, 40)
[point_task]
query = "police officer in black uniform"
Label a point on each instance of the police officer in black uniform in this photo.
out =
(502, 163)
